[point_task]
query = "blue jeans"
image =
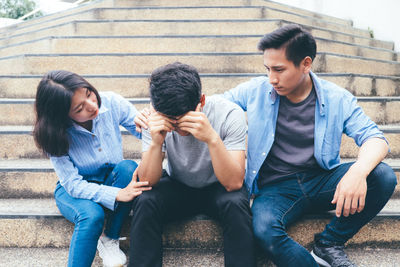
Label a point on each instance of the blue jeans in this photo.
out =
(281, 204)
(89, 216)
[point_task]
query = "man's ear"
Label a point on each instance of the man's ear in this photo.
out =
(202, 100)
(307, 64)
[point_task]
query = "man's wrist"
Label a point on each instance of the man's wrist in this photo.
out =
(360, 169)
(156, 145)
(213, 139)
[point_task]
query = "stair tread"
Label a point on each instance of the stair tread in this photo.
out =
(49, 257)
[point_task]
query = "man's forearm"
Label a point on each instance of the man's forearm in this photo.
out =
(150, 168)
(228, 170)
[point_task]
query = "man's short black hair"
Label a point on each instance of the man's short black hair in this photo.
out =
(298, 43)
(175, 89)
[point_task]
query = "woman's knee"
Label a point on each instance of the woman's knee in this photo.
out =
(91, 219)
(124, 172)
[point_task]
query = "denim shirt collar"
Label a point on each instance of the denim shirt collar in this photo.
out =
(320, 94)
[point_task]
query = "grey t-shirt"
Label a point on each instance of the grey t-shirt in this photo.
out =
(293, 147)
(189, 159)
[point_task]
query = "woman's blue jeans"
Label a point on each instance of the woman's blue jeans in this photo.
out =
(279, 205)
(89, 216)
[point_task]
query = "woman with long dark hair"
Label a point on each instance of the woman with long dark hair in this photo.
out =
(78, 128)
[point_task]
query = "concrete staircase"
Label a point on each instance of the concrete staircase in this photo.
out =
(115, 45)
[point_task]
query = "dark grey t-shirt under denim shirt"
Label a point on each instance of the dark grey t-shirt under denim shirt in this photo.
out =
(293, 147)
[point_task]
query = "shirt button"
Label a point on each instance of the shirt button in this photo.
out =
(273, 135)
(93, 135)
(254, 171)
(263, 153)
(106, 163)
(100, 149)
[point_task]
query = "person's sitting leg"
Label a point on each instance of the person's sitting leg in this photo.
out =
(380, 186)
(88, 217)
(232, 209)
(120, 177)
(167, 201)
(108, 244)
(274, 208)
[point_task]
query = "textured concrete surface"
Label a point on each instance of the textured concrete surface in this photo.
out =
(16, 86)
(152, 44)
(146, 63)
(244, 12)
(35, 178)
(20, 144)
(50, 257)
(138, 27)
(382, 110)
(38, 223)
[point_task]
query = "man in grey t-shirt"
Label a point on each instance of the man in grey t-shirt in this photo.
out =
(204, 139)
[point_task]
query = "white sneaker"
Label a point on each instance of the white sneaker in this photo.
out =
(110, 252)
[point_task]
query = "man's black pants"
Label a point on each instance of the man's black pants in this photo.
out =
(170, 200)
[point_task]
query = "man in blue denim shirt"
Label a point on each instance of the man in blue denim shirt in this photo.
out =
(295, 126)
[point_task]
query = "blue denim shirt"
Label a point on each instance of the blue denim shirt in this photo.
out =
(92, 155)
(336, 112)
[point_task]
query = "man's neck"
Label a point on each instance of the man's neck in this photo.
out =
(302, 92)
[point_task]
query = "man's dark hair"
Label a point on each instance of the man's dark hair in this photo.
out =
(175, 89)
(297, 42)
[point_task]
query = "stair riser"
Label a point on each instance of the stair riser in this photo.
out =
(38, 184)
(133, 28)
(197, 234)
(171, 45)
(198, 13)
(14, 146)
(227, 13)
(145, 63)
(25, 87)
(270, 4)
(380, 112)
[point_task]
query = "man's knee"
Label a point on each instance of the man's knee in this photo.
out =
(235, 201)
(146, 203)
(384, 176)
(268, 231)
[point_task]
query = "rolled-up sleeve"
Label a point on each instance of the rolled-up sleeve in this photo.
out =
(358, 125)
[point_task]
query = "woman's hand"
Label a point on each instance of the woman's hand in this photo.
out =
(142, 119)
(133, 189)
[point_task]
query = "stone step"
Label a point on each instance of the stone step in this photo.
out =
(267, 3)
(35, 178)
(14, 111)
(131, 63)
(50, 17)
(178, 43)
(181, 27)
(17, 142)
(40, 224)
(136, 85)
(58, 16)
(185, 13)
(50, 257)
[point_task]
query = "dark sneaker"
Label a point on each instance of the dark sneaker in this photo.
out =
(331, 256)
